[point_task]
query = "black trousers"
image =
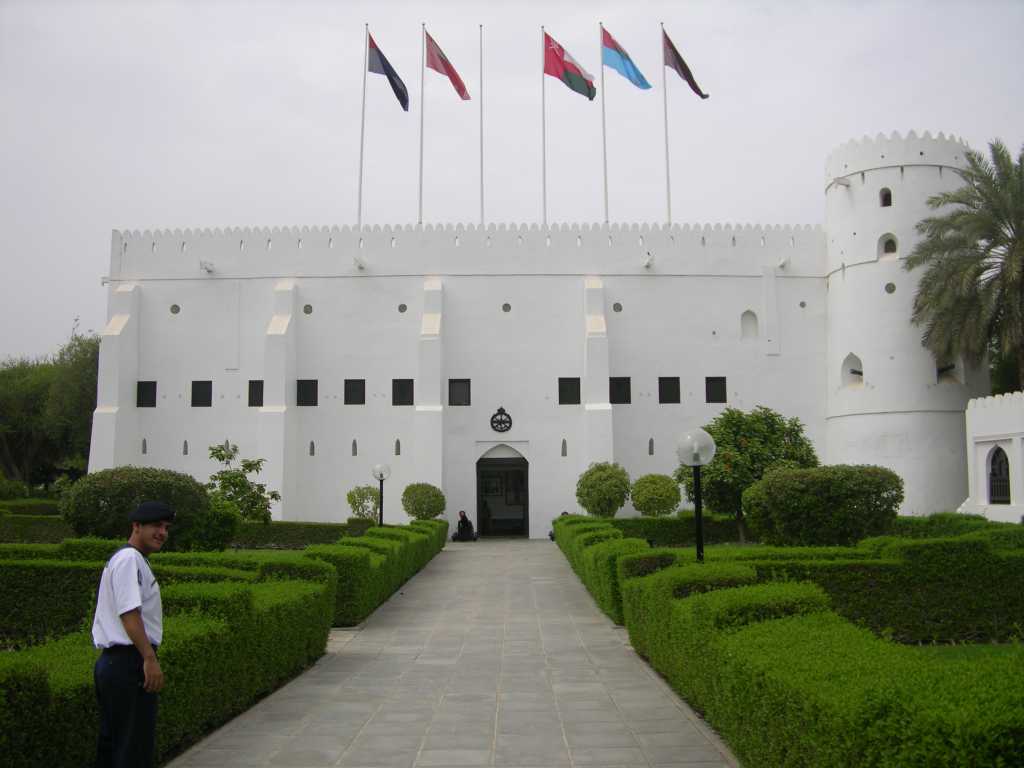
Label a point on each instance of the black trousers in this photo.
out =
(127, 712)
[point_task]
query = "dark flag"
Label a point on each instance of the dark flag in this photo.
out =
(674, 60)
(378, 63)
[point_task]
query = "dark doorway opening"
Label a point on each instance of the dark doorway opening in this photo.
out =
(502, 497)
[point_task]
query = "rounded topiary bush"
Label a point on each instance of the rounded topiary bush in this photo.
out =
(602, 489)
(423, 501)
(655, 495)
(823, 506)
(99, 505)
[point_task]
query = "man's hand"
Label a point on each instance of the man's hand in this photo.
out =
(154, 675)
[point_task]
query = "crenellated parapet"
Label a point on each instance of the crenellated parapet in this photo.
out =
(865, 154)
(466, 249)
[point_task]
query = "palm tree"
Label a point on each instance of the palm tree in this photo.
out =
(971, 296)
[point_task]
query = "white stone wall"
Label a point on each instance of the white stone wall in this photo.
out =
(993, 422)
(682, 293)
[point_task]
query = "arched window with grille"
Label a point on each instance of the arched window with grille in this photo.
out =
(852, 373)
(999, 477)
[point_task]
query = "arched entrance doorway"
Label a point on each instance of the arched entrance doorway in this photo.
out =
(502, 493)
(999, 478)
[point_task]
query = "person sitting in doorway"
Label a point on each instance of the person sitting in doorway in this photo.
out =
(465, 531)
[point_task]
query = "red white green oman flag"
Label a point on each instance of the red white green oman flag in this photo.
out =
(558, 63)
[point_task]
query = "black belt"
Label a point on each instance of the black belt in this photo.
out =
(119, 649)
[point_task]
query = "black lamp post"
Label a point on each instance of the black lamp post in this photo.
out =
(381, 472)
(697, 448)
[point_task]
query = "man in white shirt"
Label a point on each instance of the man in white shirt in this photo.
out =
(128, 626)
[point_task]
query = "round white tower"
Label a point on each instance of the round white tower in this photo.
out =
(890, 402)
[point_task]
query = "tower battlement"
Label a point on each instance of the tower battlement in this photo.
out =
(866, 153)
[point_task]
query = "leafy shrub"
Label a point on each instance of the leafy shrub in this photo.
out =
(602, 489)
(423, 501)
(655, 495)
(252, 500)
(600, 566)
(834, 505)
(364, 500)
(12, 489)
(358, 593)
(357, 526)
(748, 444)
(99, 505)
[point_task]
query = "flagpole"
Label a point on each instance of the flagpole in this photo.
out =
(481, 125)
(664, 95)
(362, 127)
(543, 132)
(423, 56)
(604, 139)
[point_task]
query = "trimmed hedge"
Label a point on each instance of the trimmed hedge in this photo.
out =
(34, 507)
(680, 531)
(359, 580)
(815, 690)
(754, 639)
(600, 566)
(252, 639)
(417, 554)
(39, 529)
(285, 534)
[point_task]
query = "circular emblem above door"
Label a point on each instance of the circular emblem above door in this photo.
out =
(501, 421)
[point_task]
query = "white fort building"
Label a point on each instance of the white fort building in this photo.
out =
(498, 362)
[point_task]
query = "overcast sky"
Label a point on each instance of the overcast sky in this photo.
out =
(135, 115)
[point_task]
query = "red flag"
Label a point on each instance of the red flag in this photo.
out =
(560, 64)
(438, 62)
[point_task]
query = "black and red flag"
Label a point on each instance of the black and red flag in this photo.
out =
(377, 63)
(674, 60)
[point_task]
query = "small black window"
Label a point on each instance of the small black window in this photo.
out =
(618, 390)
(202, 394)
(458, 392)
(306, 391)
(569, 391)
(714, 387)
(885, 197)
(355, 391)
(668, 389)
(401, 392)
(255, 393)
(145, 394)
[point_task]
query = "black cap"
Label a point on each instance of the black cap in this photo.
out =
(152, 512)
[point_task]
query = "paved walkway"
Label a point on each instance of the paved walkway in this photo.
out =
(494, 655)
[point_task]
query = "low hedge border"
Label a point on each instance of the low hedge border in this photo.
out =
(36, 507)
(33, 529)
(754, 639)
(286, 534)
(247, 641)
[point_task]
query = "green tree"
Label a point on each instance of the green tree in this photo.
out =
(364, 500)
(72, 400)
(251, 499)
(27, 448)
(971, 295)
(655, 495)
(602, 489)
(748, 444)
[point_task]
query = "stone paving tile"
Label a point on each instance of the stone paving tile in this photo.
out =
(494, 656)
